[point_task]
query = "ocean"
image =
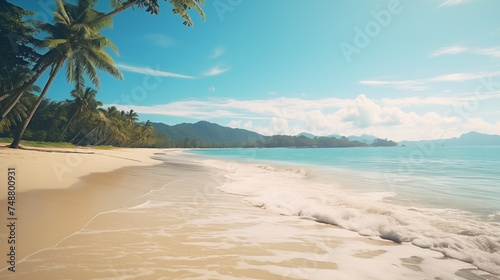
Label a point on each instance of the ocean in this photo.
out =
(445, 199)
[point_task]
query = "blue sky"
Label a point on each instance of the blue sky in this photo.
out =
(403, 70)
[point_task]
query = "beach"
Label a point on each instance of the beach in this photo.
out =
(166, 214)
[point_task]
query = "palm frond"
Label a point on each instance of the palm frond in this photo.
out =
(53, 43)
(181, 7)
(102, 61)
(115, 4)
(62, 11)
(91, 72)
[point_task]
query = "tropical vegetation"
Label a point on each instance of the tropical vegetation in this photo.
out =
(73, 42)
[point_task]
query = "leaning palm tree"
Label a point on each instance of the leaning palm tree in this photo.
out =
(131, 117)
(44, 63)
(76, 41)
(11, 79)
(82, 105)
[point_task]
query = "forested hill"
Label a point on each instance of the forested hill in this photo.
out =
(209, 135)
(204, 133)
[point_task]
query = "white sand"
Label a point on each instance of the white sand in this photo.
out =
(61, 168)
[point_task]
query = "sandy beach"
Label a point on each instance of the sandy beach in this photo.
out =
(159, 214)
(55, 196)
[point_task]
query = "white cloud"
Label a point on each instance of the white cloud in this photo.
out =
(211, 89)
(450, 116)
(235, 123)
(217, 52)
(448, 50)
(248, 125)
(214, 71)
(161, 40)
(150, 72)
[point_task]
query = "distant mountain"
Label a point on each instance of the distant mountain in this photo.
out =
(335, 135)
(468, 139)
(209, 135)
(308, 135)
(207, 132)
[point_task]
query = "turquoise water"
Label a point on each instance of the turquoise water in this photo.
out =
(464, 178)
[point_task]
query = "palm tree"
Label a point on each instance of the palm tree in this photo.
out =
(11, 79)
(109, 129)
(131, 117)
(74, 39)
(83, 104)
(146, 133)
(46, 61)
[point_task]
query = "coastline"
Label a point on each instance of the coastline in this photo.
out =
(172, 220)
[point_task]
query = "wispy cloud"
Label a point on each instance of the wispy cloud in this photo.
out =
(414, 85)
(214, 71)
(160, 40)
(493, 52)
(451, 3)
(423, 84)
(416, 101)
(217, 52)
(448, 50)
(150, 71)
(460, 77)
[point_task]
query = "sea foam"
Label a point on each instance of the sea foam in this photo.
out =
(289, 191)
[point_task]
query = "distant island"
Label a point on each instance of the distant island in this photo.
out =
(209, 135)
(204, 134)
(468, 139)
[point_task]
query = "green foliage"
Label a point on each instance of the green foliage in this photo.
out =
(383, 143)
(19, 111)
(40, 144)
(16, 37)
(181, 7)
(77, 39)
(208, 135)
(80, 122)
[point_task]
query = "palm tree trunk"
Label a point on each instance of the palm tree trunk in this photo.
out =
(84, 136)
(19, 135)
(67, 125)
(79, 131)
(18, 92)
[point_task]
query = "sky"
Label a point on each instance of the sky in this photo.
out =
(396, 69)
